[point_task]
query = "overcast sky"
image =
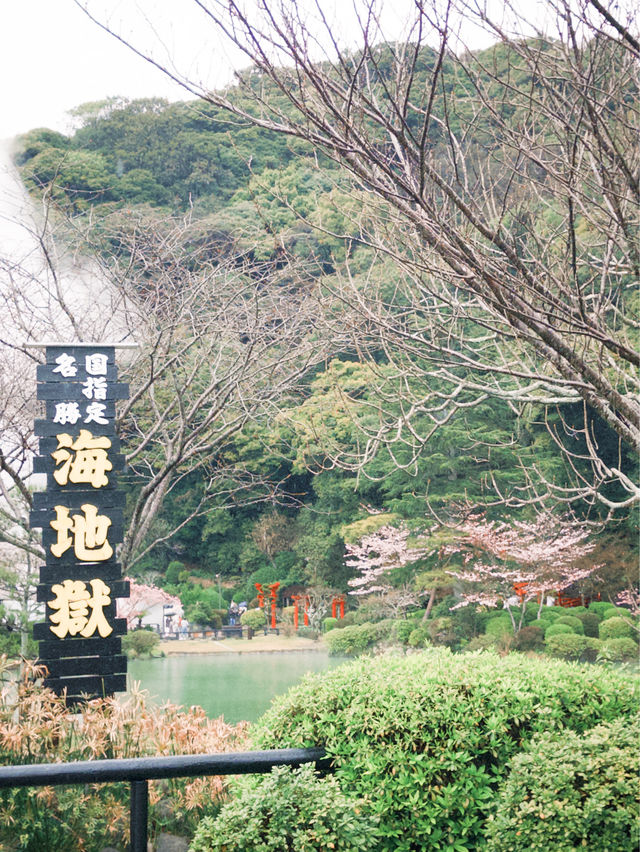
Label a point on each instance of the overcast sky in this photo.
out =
(53, 58)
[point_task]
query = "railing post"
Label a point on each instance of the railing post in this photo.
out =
(138, 815)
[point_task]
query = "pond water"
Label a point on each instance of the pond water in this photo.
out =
(236, 686)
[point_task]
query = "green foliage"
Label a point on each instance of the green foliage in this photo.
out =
(138, 643)
(529, 638)
(442, 631)
(404, 629)
(418, 638)
(499, 625)
(573, 621)
(329, 623)
(622, 650)
(556, 629)
(254, 618)
(288, 811)
(173, 572)
(616, 628)
(569, 791)
(307, 632)
(601, 608)
(590, 623)
(566, 646)
(424, 740)
(348, 641)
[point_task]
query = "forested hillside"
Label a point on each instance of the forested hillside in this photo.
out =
(157, 188)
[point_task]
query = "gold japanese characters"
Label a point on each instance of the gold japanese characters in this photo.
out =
(80, 514)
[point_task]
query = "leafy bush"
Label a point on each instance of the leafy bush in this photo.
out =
(37, 727)
(601, 608)
(442, 631)
(621, 650)
(288, 811)
(590, 623)
(591, 649)
(418, 638)
(499, 626)
(329, 623)
(566, 646)
(253, 618)
(139, 642)
(348, 641)
(616, 628)
(306, 632)
(556, 629)
(573, 621)
(571, 792)
(529, 638)
(423, 740)
(404, 629)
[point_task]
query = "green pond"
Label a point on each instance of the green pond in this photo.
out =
(236, 686)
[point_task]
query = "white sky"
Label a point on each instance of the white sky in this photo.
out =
(53, 58)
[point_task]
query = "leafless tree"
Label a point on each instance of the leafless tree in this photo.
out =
(505, 186)
(220, 343)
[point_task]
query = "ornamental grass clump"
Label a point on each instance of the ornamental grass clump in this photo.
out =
(37, 727)
(425, 740)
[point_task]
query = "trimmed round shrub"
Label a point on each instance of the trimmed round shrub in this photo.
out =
(569, 792)
(616, 628)
(140, 642)
(591, 649)
(614, 611)
(349, 641)
(555, 629)
(622, 650)
(418, 638)
(254, 618)
(573, 621)
(329, 623)
(288, 811)
(590, 623)
(601, 607)
(499, 626)
(424, 740)
(566, 646)
(530, 638)
(550, 613)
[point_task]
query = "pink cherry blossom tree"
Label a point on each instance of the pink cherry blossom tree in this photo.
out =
(375, 555)
(519, 562)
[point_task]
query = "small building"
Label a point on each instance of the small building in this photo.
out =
(151, 607)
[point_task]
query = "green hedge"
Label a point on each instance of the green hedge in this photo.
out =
(556, 629)
(623, 650)
(590, 623)
(601, 608)
(288, 811)
(616, 628)
(424, 740)
(573, 621)
(348, 641)
(566, 646)
(569, 792)
(499, 626)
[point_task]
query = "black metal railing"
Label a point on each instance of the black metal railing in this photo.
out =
(139, 771)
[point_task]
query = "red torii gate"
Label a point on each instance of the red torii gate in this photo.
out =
(273, 595)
